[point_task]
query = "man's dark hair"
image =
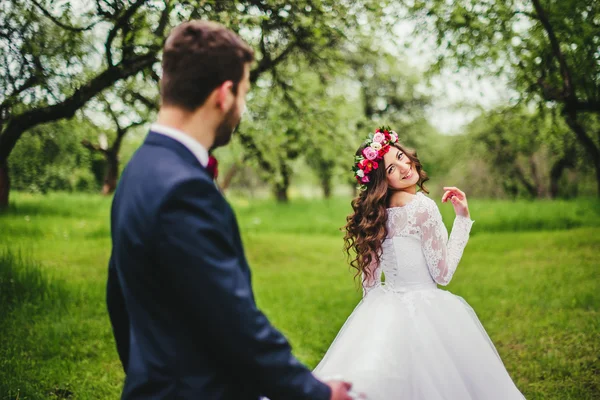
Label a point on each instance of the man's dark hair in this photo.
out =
(198, 57)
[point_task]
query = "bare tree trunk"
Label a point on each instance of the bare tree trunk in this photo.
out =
(229, 177)
(586, 141)
(4, 185)
(531, 189)
(539, 187)
(598, 178)
(111, 176)
(555, 174)
(281, 194)
(567, 161)
(281, 188)
(568, 96)
(326, 186)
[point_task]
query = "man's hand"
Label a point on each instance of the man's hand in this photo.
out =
(339, 390)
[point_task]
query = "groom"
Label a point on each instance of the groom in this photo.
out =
(179, 291)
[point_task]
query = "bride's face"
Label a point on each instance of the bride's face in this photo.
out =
(400, 172)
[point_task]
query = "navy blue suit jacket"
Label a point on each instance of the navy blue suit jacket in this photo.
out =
(179, 291)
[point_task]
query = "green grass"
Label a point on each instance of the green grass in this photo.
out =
(327, 216)
(530, 272)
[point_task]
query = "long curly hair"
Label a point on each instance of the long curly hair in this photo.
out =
(366, 227)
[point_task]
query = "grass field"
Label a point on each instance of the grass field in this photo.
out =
(530, 272)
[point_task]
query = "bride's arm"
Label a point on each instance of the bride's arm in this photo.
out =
(442, 254)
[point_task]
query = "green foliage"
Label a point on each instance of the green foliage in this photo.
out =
(50, 157)
(516, 152)
(548, 50)
(321, 117)
(38, 56)
(548, 343)
(508, 37)
(306, 121)
(114, 47)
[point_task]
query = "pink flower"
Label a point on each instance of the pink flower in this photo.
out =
(394, 137)
(365, 179)
(370, 153)
(379, 137)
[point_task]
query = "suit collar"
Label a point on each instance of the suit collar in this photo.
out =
(199, 151)
(157, 139)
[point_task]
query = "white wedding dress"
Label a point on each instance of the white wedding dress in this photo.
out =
(409, 340)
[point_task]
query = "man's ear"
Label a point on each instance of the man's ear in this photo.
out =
(225, 97)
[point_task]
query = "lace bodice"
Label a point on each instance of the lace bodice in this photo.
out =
(417, 251)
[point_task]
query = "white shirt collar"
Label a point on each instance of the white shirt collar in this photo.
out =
(190, 143)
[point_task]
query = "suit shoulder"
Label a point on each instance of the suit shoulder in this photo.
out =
(156, 173)
(166, 165)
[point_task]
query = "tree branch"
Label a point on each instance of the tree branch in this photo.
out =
(286, 92)
(94, 147)
(29, 83)
(112, 114)
(164, 20)
(588, 143)
(266, 63)
(551, 93)
(66, 109)
(60, 24)
(119, 24)
(254, 150)
(590, 106)
(526, 13)
(148, 103)
(569, 90)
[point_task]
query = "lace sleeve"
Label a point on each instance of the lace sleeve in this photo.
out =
(442, 254)
(375, 278)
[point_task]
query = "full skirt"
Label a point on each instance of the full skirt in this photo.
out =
(421, 344)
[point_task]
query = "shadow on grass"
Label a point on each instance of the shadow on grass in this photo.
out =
(22, 282)
(26, 294)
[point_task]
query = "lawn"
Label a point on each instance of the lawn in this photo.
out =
(530, 272)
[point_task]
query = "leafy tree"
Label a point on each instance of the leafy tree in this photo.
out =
(57, 58)
(522, 151)
(49, 157)
(302, 120)
(128, 105)
(548, 48)
(51, 65)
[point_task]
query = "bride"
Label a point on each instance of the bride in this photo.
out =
(407, 339)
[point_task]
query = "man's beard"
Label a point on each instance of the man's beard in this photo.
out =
(225, 129)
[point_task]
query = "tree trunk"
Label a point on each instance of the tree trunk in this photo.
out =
(4, 185)
(229, 177)
(557, 171)
(281, 188)
(598, 178)
(111, 176)
(539, 187)
(594, 152)
(531, 189)
(326, 186)
(281, 194)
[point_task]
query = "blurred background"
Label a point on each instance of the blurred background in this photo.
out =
(500, 98)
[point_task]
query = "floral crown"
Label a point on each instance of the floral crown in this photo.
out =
(376, 146)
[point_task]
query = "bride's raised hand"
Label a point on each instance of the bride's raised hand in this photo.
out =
(458, 199)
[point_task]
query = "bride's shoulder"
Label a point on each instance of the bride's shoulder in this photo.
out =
(424, 198)
(426, 201)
